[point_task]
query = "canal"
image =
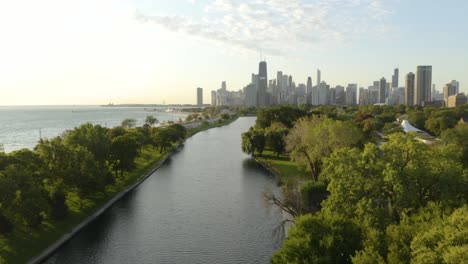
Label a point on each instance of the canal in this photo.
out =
(204, 205)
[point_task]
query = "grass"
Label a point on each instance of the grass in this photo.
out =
(287, 170)
(21, 246)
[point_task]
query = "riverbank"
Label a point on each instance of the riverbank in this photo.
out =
(285, 170)
(26, 247)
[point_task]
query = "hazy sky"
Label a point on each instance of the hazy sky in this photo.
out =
(142, 51)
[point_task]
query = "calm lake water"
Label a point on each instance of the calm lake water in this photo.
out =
(204, 205)
(22, 126)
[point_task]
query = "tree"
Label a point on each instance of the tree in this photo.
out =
(129, 123)
(94, 138)
(124, 150)
(275, 138)
(443, 241)
(313, 139)
(151, 120)
(458, 136)
(314, 239)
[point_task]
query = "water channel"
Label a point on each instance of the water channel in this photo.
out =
(204, 205)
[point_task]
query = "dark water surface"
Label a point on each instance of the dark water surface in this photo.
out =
(204, 205)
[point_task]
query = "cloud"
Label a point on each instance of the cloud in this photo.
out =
(278, 27)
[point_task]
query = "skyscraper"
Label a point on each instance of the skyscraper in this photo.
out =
(382, 90)
(319, 80)
(199, 96)
(351, 94)
(262, 84)
(395, 78)
(409, 89)
(223, 86)
(423, 85)
(309, 90)
(213, 98)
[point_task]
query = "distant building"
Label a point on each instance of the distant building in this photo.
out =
(319, 77)
(262, 85)
(250, 95)
(340, 95)
(364, 96)
(351, 94)
(213, 98)
(395, 78)
(309, 90)
(409, 89)
(382, 90)
(200, 96)
(449, 90)
(423, 85)
(457, 100)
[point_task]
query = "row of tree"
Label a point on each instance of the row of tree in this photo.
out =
(41, 185)
(392, 200)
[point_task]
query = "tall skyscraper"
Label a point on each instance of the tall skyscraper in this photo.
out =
(309, 90)
(409, 89)
(262, 84)
(200, 96)
(340, 95)
(382, 90)
(351, 94)
(279, 80)
(213, 98)
(395, 78)
(223, 86)
(423, 85)
(319, 79)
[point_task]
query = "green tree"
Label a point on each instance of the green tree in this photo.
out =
(151, 120)
(313, 139)
(458, 136)
(314, 239)
(124, 150)
(129, 123)
(275, 138)
(94, 138)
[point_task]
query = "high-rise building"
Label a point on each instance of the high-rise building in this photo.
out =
(409, 89)
(382, 90)
(213, 98)
(319, 79)
(199, 96)
(351, 94)
(340, 95)
(223, 86)
(279, 80)
(262, 84)
(395, 78)
(364, 98)
(449, 90)
(250, 95)
(423, 85)
(457, 100)
(309, 90)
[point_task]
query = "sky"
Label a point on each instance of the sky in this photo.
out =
(61, 52)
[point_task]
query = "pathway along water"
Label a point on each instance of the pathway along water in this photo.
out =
(204, 205)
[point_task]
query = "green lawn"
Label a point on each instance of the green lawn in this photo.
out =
(287, 170)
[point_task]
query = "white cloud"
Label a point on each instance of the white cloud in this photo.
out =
(278, 27)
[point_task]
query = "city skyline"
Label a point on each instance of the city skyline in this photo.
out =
(96, 52)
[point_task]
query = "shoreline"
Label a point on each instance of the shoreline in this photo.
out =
(46, 253)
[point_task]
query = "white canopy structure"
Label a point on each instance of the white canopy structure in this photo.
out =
(407, 127)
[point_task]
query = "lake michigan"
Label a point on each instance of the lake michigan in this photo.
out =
(23, 126)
